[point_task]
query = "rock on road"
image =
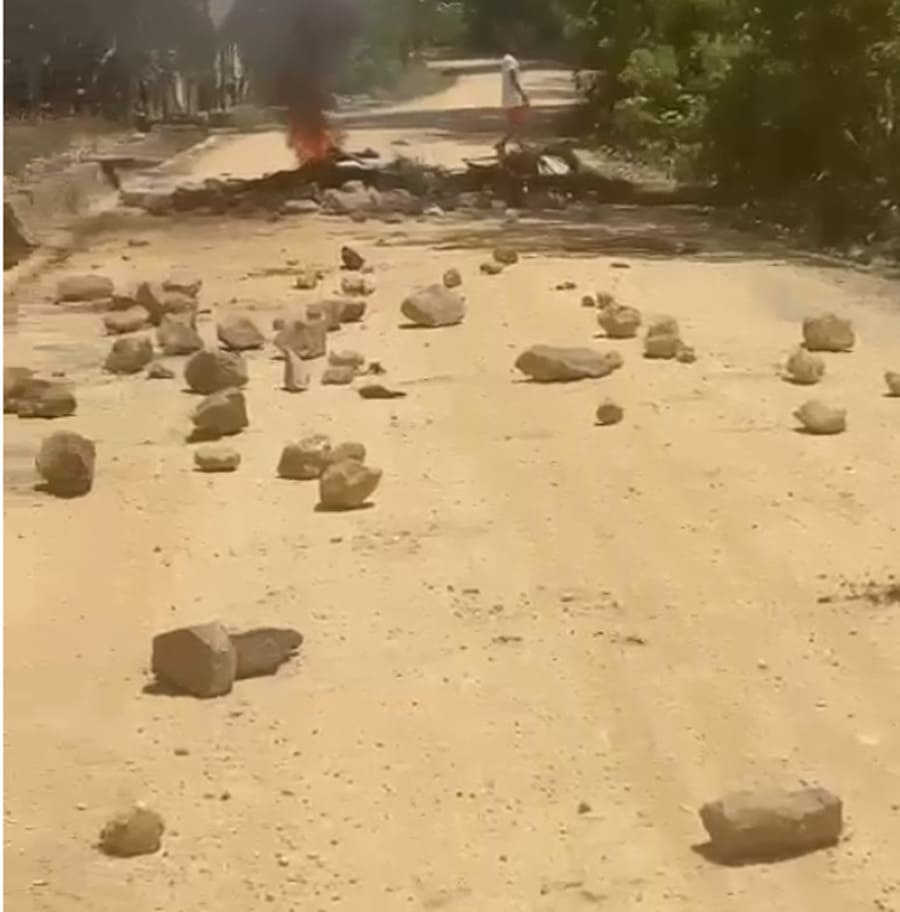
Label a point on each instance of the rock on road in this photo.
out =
(539, 653)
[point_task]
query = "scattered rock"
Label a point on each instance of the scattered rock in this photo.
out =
(892, 379)
(568, 286)
(159, 302)
(619, 321)
(84, 288)
(305, 337)
(379, 391)
(357, 286)
(804, 368)
(609, 412)
(328, 310)
(177, 335)
(16, 381)
(239, 333)
(137, 831)
(349, 450)
(353, 197)
(296, 374)
(376, 369)
(183, 283)
(66, 463)
(588, 301)
(818, 418)
(220, 414)
(347, 485)
(828, 333)
(158, 371)
(307, 280)
(306, 460)
(434, 306)
(210, 371)
(452, 278)
(506, 256)
(264, 650)
(338, 376)
(663, 339)
(121, 322)
(217, 458)
(686, 354)
(554, 364)
(606, 300)
(490, 268)
(352, 309)
(351, 259)
(772, 824)
(46, 399)
(129, 356)
(346, 359)
(198, 660)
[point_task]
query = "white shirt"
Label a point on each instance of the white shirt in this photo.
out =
(509, 69)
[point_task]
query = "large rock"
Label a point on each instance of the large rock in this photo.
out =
(554, 364)
(619, 322)
(264, 650)
(215, 458)
(329, 310)
(66, 463)
(348, 450)
(129, 356)
(306, 460)
(304, 336)
(16, 382)
(158, 301)
(804, 368)
(177, 335)
(772, 824)
(338, 375)
(199, 660)
(211, 371)
(347, 485)
(137, 831)
(351, 259)
(296, 374)
(85, 288)
(352, 310)
(239, 333)
(892, 379)
(220, 414)
(818, 418)
(828, 333)
(663, 339)
(506, 255)
(434, 306)
(121, 322)
(46, 399)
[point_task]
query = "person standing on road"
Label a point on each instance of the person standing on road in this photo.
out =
(515, 100)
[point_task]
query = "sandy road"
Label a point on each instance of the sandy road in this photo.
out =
(537, 612)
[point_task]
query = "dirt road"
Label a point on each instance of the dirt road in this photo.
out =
(538, 653)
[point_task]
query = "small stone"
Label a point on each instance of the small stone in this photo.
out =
(182, 282)
(346, 359)
(239, 333)
(126, 321)
(584, 807)
(828, 333)
(177, 335)
(506, 256)
(609, 412)
(619, 322)
(137, 831)
(568, 285)
(264, 650)
(217, 459)
(351, 259)
(84, 288)
(306, 460)
(452, 278)
(588, 301)
(307, 280)
(199, 660)
(211, 371)
(379, 391)
(772, 824)
(158, 371)
(352, 310)
(819, 418)
(892, 379)
(347, 485)
(296, 374)
(357, 286)
(348, 450)
(158, 301)
(686, 354)
(555, 364)
(129, 356)
(16, 381)
(304, 336)
(434, 306)
(46, 399)
(338, 376)
(491, 268)
(66, 463)
(804, 368)
(220, 414)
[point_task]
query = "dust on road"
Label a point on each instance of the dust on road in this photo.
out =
(545, 646)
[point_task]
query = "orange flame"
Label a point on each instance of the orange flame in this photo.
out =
(312, 140)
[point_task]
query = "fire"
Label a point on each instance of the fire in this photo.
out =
(312, 139)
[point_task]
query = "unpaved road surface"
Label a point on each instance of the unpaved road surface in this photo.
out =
(537, 613)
